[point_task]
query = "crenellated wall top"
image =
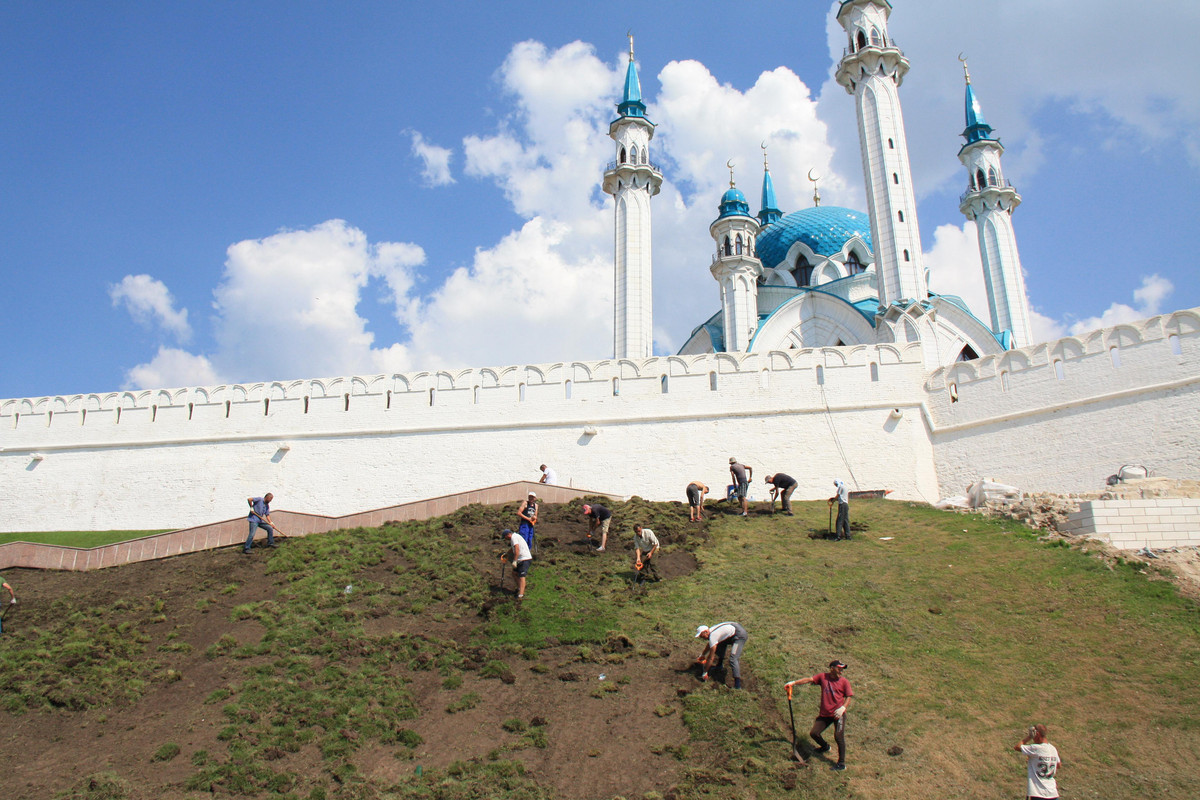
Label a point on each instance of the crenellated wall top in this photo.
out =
(578, 372)
(1183, 325)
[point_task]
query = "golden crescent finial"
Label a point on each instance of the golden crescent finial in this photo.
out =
(763, 145)
(629, 33)
(813, 178)
(729, 164)
(966, 72)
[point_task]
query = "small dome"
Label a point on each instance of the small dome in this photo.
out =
(734, 202)
(823, 229)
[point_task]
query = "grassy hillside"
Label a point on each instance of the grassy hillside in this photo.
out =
(386, 663)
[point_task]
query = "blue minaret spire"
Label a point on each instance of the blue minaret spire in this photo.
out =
(770, 210)
(631, 105)
(977, 128)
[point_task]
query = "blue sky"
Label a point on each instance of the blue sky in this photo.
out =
(205, 192)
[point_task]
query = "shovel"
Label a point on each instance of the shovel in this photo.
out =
(792, 716)
(272, 525)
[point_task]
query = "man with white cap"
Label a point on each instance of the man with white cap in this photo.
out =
(725, 639)
(842, 498)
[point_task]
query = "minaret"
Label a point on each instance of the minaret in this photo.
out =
(872, 70)
(769, 210)
(736, 267)
(989, 202)
(632, 180)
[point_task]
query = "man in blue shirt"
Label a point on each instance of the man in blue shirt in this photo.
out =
(260, 516)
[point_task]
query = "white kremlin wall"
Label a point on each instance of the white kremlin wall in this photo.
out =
(870, 414)
(172, 458)
(1063, 416)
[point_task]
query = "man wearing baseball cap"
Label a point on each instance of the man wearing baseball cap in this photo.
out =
(728, 638)
(836, 696)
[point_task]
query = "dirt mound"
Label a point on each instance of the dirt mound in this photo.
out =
(200, 624)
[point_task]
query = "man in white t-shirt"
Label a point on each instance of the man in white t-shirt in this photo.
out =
(548, 475)
(521, 559)
(1042, 765)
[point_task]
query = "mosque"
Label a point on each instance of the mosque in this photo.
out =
(829, 276)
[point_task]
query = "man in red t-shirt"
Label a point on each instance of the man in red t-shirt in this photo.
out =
(836, 696)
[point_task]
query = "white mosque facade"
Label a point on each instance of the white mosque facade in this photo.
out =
(827, 357)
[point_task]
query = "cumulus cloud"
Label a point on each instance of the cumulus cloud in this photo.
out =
(150, 303)
(171, 368)
(955, 267)
(1147, 301)
(435, 161)
(288, 304)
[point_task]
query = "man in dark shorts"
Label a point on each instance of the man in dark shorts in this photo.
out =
(783, 485)
(521, 558)
(599, 519)
(741, 475)
(695, 497)
(836, 696)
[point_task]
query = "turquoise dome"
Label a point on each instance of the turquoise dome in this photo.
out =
(734, 202)
(823, 229)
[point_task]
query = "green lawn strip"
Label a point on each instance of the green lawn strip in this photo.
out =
(84, 539)
(958, 634)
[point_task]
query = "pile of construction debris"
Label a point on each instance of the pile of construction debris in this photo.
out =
(1047, 512)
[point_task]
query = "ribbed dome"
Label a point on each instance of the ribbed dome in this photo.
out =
(823, 229)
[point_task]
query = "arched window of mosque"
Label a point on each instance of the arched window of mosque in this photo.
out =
(475, 395)
(521, 393)
(1115, 354)
(876, 39)
(803, 272)
(853, 265)
(645, 155)
(433, 396)
(616, 386)
(1176, 348)
(712, 381)
(728, 247)
(992, 179)
(663, 384)
(874, 372)
(906, 255)
(633, 155)
(738, 244)
(570, 388)
(1004, 381)
(862, 40)
(980, 180)
(820, 375)
(891, 145)
(896, 178)
(1059, 372)
(901, 215)
(967, 354)
(764, 378)
(622, 155)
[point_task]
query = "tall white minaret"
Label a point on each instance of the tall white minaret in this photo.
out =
(989, 201)
(736, 267)
(872, 70)
(632, 180)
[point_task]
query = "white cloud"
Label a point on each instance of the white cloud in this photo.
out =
(150, 303)
(955, 267)
(435, 170)
(1147, 298)
(172, 368)
(287, 305)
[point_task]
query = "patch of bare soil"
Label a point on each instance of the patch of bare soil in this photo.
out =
(605, 728)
